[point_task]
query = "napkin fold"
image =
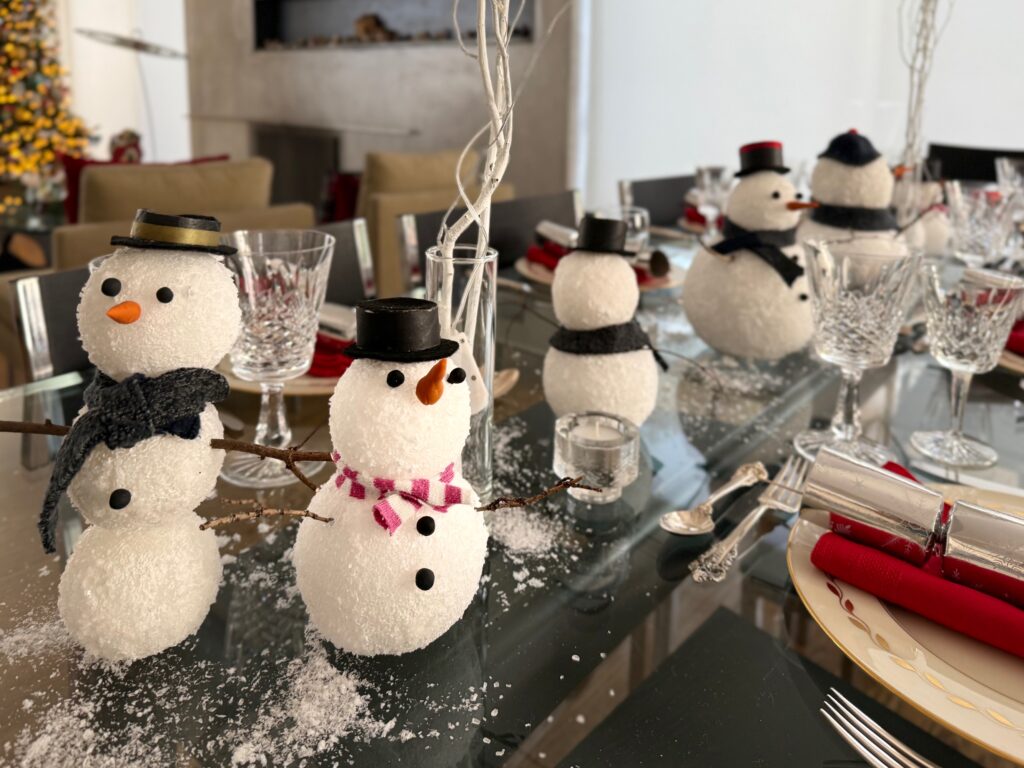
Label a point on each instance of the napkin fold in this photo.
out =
(1015, 343)
(329, 358)
(896, 581)
(548, 254)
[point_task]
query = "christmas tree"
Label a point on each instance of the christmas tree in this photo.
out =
(35, 119)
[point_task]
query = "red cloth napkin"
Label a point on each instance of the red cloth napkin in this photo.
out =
(548, 254)
(952, 605)
(329, 358)
(693, 216)
(1015, 343)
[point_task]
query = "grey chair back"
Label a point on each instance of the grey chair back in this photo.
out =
(511, 231)
(351, 278)
(663, 197)
(46, 308)
(967, 163)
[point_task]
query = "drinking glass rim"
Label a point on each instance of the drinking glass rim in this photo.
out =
(329, 240)
(999, 280)
(910, 252)
(490, 254)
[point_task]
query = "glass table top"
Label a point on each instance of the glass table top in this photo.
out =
(579, 612)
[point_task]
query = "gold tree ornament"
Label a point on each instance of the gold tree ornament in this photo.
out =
(36, 123)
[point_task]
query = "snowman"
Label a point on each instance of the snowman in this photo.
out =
(921, 201)
(853, 187)
(401, 560)
(599, 359)
(746, 295)
(154, 318)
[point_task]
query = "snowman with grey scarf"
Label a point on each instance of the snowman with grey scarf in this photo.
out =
(746, 294)
(853, 187)
(599, 359)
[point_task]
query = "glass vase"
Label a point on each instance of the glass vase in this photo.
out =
(464, 287)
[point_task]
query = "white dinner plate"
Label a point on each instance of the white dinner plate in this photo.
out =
(973, 689)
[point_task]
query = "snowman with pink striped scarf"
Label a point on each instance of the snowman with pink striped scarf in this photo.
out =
(402, 559)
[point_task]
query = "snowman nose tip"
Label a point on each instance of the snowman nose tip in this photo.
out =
(430, 388)
(125, 313)
(799, 205)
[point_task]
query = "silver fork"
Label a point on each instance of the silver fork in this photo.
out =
(783, 493)
(870, 740)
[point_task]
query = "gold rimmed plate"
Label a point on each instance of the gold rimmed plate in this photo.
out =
(971, 688)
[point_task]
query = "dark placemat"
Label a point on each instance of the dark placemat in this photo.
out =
(731, 695)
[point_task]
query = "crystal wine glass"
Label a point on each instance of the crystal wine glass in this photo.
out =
(858, 292)
(712, 191)
(638, 227)
(981, 223)
(970, 315)
(282, 277)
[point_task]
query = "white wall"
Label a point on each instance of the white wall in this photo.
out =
(676, 84)
(106, 82)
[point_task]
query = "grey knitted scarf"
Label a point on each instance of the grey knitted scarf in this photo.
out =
(121, 414)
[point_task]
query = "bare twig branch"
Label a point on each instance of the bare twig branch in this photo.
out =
(258, 512)
(510, 502)
(34, 428)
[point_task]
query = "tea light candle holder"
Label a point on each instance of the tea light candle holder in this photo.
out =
(603, 448)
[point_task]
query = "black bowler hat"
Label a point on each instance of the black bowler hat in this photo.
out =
(185, 232)
(851, 148)
(401, 330)
(599, 235)
(761, 156)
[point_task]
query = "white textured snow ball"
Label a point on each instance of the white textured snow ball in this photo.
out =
(126, 594)
(372, 593)
(937, 232)
(151, 311)
(761, 201)
(856, 186)
(742, 307)
(161, 479)
(381, 427)
(593, 290)
(624, 384)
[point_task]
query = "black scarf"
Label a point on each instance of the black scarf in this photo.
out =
(123, 414)
(628, 337)
(847, 217)
(766, 243)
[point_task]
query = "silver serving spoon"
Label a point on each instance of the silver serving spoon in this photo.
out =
(698, 521)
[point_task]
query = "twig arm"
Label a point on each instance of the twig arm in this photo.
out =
(260, 511)
(510, 502)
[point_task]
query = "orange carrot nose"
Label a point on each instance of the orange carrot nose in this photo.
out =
(125, 313)
(902, 170)
(430, 388)
(799, 205)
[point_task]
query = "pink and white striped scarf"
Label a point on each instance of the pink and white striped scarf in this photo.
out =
(438, 494)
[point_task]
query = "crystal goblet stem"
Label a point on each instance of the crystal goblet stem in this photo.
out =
(846, 421)
(272, 429)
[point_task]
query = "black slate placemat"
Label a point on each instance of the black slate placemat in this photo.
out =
(731, 695)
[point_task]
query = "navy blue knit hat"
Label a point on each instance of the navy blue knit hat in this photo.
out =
(851, 148)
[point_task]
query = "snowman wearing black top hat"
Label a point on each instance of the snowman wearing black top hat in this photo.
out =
(852, 185)
(402, 558)
(599, 359)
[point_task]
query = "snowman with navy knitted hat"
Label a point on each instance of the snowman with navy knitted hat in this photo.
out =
(600, 359)
(746, 294)
(402, 557)
(155, 317)
(853, 186)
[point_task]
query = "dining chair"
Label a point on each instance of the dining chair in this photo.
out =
(663, 197)
(968, 163)
(511, 231)
(351, 278)
(45, 306)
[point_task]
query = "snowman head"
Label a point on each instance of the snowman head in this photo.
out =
(852, 173)
(765, 201)
(162, 301)
(402, 408)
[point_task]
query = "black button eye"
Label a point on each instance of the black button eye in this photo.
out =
(120, 498)
(457, 376)
(799, 195)
(424, 578)
(111, 286)
(164, 295)
(396, 379)
(776, 194)
(804, 297)
(425, 525)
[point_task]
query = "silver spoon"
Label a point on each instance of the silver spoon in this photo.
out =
(698, 521)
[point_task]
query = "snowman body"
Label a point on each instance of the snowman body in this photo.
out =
(143, 576)
(373, 589)
(738, 303)
(590, 292)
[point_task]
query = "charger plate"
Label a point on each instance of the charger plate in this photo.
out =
(972, 689)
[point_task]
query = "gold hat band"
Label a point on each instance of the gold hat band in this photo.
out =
(204, 237)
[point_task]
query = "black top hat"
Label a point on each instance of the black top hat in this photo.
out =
(599, 235)
(185, 232)
(851, 148)
(761, 156)
(402, 330)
